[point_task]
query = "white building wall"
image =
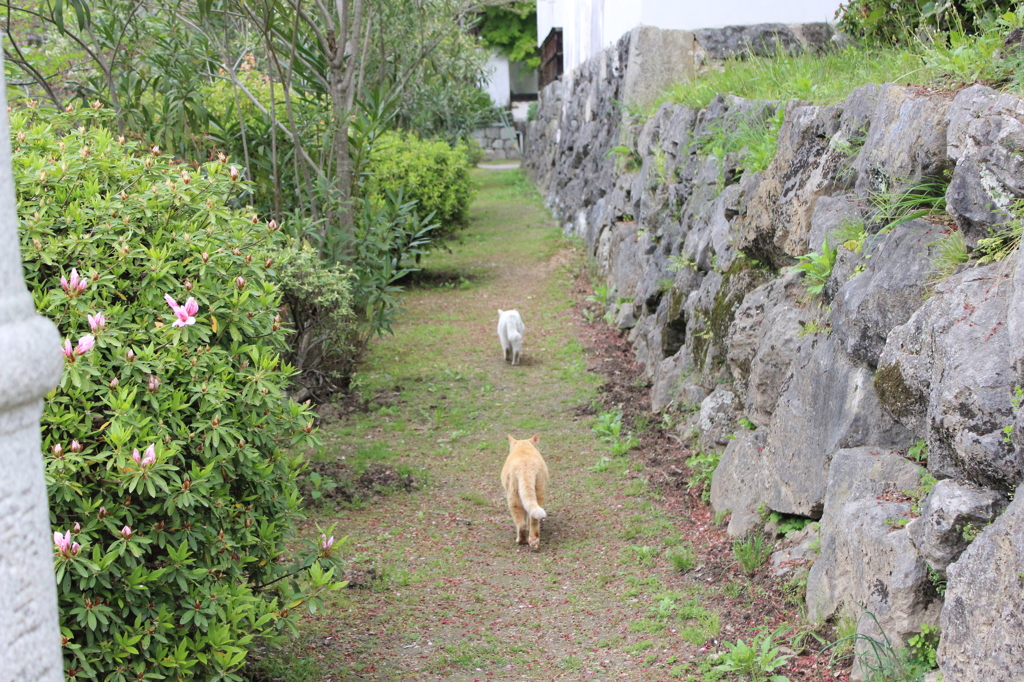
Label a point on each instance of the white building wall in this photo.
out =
(498, 84)
(589, 26)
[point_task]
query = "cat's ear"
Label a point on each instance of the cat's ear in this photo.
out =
(500, 311)
(511, 439)
(536, 437)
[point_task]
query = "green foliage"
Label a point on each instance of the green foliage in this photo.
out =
(1004, 239)
(747, 424)
(919, 451)
(951, 251)
(753, 138)
(751, 552)
(628, 158)
(817, 267)
(852, 234)
(822, 79)
(683, 558)
(883, 22)
(894, 207)
(317, 300)
(429, 172)
(788, 524)
(608, 427)
(756, 661)
(166, 443)
(881, 660)
(512, 28)
(702, 466)
(924, 644)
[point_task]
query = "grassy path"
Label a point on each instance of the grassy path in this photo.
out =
(447, 594)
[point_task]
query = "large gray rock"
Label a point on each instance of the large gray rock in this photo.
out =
(986, 138)
(891, 287)
(906, 141)
(828, 405)
(948, 373)
(867, 565)
(983, 618)
(948, 515)
(762, 344)
(658, 58)
(762, 40)
(717, 418)
(738, 484)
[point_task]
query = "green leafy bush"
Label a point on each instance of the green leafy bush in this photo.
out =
(170, 485)
(890, 22)
(757, 661)
(817, 267)
(430, 172)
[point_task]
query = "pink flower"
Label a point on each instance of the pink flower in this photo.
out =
(97, 322)
(126, 532)
(154, 384)
(233, 173)
(149, 456)
(63, 542)
(85, 344)
(114, 382)
(75, 285)
(76, 446)
(136, 456)
(186, 314)
(75, 548)
(240, 282)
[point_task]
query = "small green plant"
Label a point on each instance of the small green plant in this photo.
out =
(894, 208)
(882, 661)
(681, 262)
(753, 138)
(629, 160)
(897, 522)
(320, 485)
(624, 445)
(702, 465)
(851, 234)
(747, 424)
(601, 465)
(757, 660)
(951, 251)
(683, 558)
(924, 644)
(812, 327)
(721, 516)
(608, 427)
(817, 267)
(644, 555)
(751, 552)
(919, 451)
(788, 524)
(600, 295)
(937, 580)
(969, 532)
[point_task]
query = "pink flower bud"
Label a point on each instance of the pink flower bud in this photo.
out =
(155, 149)
(233, 173)
(68, 351)
(114, 382)
(130, 355)
(74, 284)
(154, 384)
(102, 514)
(76, 447)
(272, 226)
(63, 542)
(58, 450)
(188, 287)
(221, 157)
(97, 322)
(85, 344)
(205, 256)
(126, 532)
(75, 548)
(136, 456)
(77, 528)
(240, 282)
(149, 457)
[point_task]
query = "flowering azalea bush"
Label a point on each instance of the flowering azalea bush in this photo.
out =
(166, 442)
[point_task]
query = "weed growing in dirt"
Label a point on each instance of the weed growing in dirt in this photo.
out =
(757, 660)
(683, 559)
(751, 552)
(644, 555)
(702, 465)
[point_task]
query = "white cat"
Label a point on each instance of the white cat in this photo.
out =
(510, 331)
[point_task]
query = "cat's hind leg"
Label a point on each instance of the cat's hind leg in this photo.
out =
(519, 517)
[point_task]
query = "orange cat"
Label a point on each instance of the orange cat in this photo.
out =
(525, 478)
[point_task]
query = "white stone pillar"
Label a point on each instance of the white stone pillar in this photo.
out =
(30, 365)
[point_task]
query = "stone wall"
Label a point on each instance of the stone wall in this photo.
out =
(839, 386)
(498, 142)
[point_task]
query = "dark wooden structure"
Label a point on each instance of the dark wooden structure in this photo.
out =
(551, 57)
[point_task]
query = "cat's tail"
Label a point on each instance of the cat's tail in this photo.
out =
(528, 496)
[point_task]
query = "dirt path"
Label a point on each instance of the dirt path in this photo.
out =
(444, 591)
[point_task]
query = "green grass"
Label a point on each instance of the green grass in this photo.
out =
(822, 79)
